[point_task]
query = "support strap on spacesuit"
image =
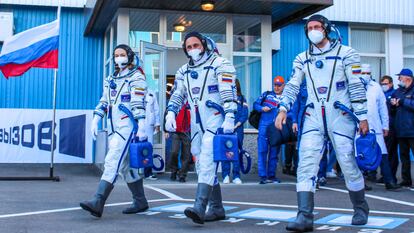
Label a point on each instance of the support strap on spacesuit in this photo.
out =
(125, 110)
(339, 105)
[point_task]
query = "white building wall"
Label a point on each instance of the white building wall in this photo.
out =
(397, 12)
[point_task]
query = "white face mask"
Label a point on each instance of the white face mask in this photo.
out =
(315, 36)
(195, 54)
(121, 62)
(385, 88)
(401, 84)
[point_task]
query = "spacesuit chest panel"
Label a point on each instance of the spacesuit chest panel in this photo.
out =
(325, 73)
(118, 91)
(201, 82)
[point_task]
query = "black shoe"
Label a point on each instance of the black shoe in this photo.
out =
(406, 183)
(380, 180)
(392, 186)
(173, 176)
(182, 180)
(139, 203)
(304, 218)
(368, 188)
(216, 210)
(96, 205)
(361, 208)
(286, 170)
(198, 212)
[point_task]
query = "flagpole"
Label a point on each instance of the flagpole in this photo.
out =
(52, 149)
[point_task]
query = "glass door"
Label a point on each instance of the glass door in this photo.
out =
(153, 58)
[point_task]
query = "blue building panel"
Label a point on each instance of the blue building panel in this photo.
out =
(79, 79)
(292, 42)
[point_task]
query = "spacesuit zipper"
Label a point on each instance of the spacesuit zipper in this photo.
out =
(110, 118)
(325, 128)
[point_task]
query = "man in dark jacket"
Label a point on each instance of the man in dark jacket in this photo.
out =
(402, 103)
(390, 140)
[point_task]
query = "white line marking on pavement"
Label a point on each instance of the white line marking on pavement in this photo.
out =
(70, 209)
(222, 185)
(164, 192)
(372, 196)
(316, 208)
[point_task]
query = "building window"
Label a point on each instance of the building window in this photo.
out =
(213, 26)
(246, 34)
(370, 44)
(143, 26)
(249, 73)
(408, 49)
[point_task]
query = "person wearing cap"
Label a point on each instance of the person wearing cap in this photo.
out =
(402, 103)
(268, 105)
(332, 74)
(127, 88)
(378, 121)
(206, 76)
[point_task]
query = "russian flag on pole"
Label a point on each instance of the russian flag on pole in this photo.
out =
(36, 47)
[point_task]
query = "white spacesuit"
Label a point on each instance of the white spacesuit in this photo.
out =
(130, 91)
(332, 74)
(210, 78)
(126, 87)
(152, 115)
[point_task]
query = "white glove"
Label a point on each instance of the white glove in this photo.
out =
(94, 126)
(170, 123)
(141, 130)
(228, 124)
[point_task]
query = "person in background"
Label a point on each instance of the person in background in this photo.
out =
(241, 118)
(268, 105)
(378, 120)
(402, 103)
(180, 142)
(295, 114)
(152, 125)
(391, 142)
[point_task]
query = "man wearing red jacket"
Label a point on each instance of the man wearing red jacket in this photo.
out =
(180, 139)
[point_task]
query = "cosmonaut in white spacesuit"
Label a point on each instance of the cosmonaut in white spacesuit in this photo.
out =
(127, 87)
(206, 76)
(332, 73)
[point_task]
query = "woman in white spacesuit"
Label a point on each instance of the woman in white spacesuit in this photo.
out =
(126, 87)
